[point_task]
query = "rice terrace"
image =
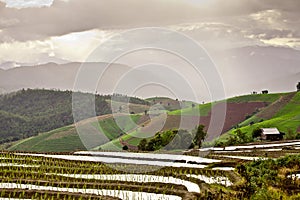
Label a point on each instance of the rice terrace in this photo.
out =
(149, 100)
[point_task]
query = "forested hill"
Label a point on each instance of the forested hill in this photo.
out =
(28, 112)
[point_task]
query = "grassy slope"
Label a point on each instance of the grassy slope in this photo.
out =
(288, 118)
(112, 129)
(67, 138)
(200, 110)
(256, 98)
(58, 140)
(170, 104)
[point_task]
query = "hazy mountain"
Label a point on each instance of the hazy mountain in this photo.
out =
(8, 65)
(46, 59)
(53, 76)
(242, 70)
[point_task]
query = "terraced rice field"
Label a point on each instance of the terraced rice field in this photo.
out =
(128, 175)
(79, 176)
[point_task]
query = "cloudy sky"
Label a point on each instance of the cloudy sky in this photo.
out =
(34, 30)
(255, 43)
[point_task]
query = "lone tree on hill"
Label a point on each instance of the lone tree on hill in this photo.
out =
(298, 87)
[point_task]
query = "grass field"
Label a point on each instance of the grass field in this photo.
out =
(62, 139)
(256, 98)
(199, 110)
(115, 127)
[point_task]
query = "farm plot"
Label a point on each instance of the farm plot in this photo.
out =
(45, 176)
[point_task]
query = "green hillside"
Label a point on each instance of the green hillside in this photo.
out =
(28, 112)
(286, 118)
(200, 110)
(59, 140)
(283, 107)
(116, 127)
(68, 139)
(256, 98)
(9, 122)
(170, 104)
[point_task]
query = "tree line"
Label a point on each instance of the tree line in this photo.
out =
(174, 139)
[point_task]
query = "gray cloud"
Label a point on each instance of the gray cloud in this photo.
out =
(64, 17)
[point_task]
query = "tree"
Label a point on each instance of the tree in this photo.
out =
(150, 146)
(200, 135)
(298, 87)
(256, 133)
(142, 145)
(241, 136)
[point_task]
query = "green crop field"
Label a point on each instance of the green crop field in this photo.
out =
(256, 98)
(199, 110)
(59, 140)
(288, 118)
(115, 127)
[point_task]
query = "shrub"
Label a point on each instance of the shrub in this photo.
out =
(290, 135)
(256, 133)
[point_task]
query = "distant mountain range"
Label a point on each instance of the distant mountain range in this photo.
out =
(242, 70)
(54, 76)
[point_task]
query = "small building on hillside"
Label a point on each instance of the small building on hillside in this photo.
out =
(271, 134)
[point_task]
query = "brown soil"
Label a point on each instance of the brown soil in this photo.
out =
(235, 113)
